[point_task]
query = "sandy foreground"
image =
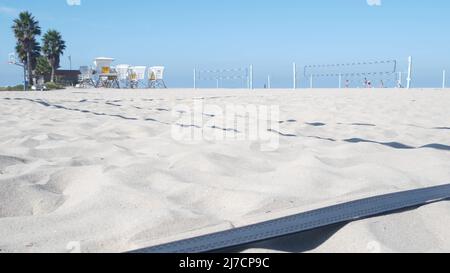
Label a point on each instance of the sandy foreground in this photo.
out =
(101, 170)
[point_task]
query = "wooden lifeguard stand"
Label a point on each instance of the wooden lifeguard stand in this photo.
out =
(156, 77)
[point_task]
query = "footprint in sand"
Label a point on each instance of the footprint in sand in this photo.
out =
(6, 161)
(19, 198)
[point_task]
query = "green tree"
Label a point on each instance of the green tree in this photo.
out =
(22, 54)
(26, 29)
(53, 47)
(43, 67)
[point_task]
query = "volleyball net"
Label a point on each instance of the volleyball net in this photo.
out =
(356, 74)
(239, 77)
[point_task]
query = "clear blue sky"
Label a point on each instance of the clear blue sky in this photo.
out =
(182, 34)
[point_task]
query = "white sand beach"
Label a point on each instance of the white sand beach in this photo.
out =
(101, 168)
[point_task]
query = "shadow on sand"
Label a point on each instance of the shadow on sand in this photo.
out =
(397, 145)
(394, 145)
(308, 240)
(43, 103)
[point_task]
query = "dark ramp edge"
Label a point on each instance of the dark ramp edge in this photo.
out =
(345, 212)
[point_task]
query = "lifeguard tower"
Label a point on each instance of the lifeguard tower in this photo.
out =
(107, 76)
(137, 76)
(123, 75)
(156, 77)
(85, 79)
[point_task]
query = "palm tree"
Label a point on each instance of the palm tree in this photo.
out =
(26, 28)
(53, 48)
(35, 53)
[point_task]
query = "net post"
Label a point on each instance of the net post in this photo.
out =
(247, 71)
(251, 77)
(311, 83)
(195, 78)
(294, 67)
(409, 79)
(443, 79)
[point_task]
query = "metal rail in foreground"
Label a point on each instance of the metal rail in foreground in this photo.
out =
(341, 213)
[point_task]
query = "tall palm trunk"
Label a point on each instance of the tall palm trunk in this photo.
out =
(29, 68)
(52, 78)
